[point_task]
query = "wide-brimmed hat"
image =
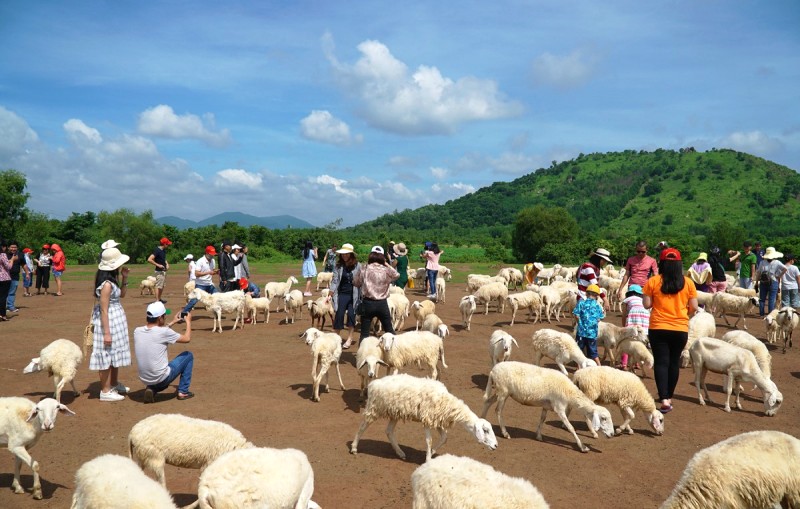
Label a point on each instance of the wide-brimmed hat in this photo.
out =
(702, 256)
(376, 249)
(400, 249)
(109, 244)
(211, 251)
(112, 259)
(165, 241)
(189, 256)
(603, 253)
(538, 265)
(157, 309)
(346, 248)
(670, 254)
(771, 254)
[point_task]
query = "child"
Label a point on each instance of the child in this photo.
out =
(588, 313)
(633, 313)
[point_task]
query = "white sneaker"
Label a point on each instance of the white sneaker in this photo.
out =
(122, 389)
(111, 395)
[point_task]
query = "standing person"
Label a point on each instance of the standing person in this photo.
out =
(747, 267)
(759, 252)
(718, 281)
(27, 268)
(374, 281)
(589, 272)
(330, 259)
(189, 259)
(227, 268)
(14, 272)
(155, 369)
(204, 269)
(111, 348)
(159, 260)
(671, 298)
(309, 267)
(790, 283)
(431, 256)
(532, 271)
(633, 313)
(700, 272)
(401, 264)
(6, 261)
(58, 262)
(422, 255)
(43, 270)
(253, 288)
(588, 313)
(345, 296)
(390, 253)
(769, 275)
(638, 268)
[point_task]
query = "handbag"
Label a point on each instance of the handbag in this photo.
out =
(88, 333)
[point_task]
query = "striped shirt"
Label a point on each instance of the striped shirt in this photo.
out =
(637, 314)
(587, 275)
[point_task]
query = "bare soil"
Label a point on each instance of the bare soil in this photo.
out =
(259, 380)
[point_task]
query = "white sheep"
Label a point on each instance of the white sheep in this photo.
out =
(278, 288)
(705, 299)
(444, 273)
(187, 289)
(325, 278)
(408, 398)
(701, 325)
(517, 279)
(258, 478)
(448, 481)
(560, 347)
(116, 481)
(421, 309)
(548, 274)
(747, 341)
(637, 353)
(772, 326)
(326, 349)
(467, 307)
(181, 441)
(320, 309)
(369, 359)
(60, 359)
(529, 300)
(255, 304)
(500, 345)
(147, 285)
(492, 292)
(754, 469)
(398, 308)
(551, 301)
(728, 303)
(394, 289)
(608, 385)
(433, 323)
(441, 289)
(609, 335)
(293, 305)
(420, 348)
(741, 292)
(738, 364)
(221, 302)
(531, 385)
(22, 423)
(475, 281)
(787, 320)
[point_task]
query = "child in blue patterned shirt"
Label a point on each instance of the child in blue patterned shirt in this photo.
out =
(589, 313)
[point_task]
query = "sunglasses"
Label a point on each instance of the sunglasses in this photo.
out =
(642, 252)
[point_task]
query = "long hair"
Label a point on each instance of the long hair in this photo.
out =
(350, 263)
(105, 275)
(307, 249)
(671, 272)
(376, 258)
(435, 248)
(596, 260)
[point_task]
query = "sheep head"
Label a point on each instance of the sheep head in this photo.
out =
(601, 420)
(292, 280)
(443, 330)
(33, 367)
(772, 400)
(372, 364)
(483, 432)
(387, 341)
(311, 334)
(46, 412)
(656, 420)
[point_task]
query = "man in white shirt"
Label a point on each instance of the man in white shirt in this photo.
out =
(204, 268)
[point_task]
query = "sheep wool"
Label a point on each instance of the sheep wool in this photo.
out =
(419, 348)
(559, 346)
(116, 481)
(60, 359)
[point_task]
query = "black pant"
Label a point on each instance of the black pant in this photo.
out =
(667, 346)
(5, 286)
(372, 309)
(42, 278)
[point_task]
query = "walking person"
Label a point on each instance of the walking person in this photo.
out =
(159, 260)
(719, 282)
(671, 298)
(589, 272)
(27, 268)
(588, 314)
(432, 255)
(401, 264)
(633, 313)
(6, 261)
(769, 275)
(790, 283)
(309, 267)
(58, 262)
(43, 270)
(748, 261)
(330, 258)
(227, 268)
(374, 281)
(344, 294)
(638, 268)
(14, 272)
(189, 259)
(204, 269)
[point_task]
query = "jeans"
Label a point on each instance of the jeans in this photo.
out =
(667, 346)
(12, 295)
(765, 292)
(745, 282)
(372, 309)
(344, 306)
(255, 292)
(180, 365)
(790, 297)
(432, 281)
(193, 302)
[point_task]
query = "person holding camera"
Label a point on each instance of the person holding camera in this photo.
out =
(374, 281)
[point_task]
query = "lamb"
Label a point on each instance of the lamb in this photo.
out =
(529, 300)
(727, 303)
(705, 299)
(325, 278)
(326, 349)
(421, 309)
(741, 292)
(723, 475)
(369, 359)
(608, 385)
(455, 481)
(441, 289)
(787, 321)
(701, 325)
(181, 441)
(773, 329)
(60, 359)
(444, 273)
(433, 323)
(227, 302)
(500, 346)
(551, 300)
(187, 288)
(22, 423)
(408, 398)
(293, 305)
(254, 305)
(256, 478)
(422, 348)
(747, 341)
(320, 309)
(398, 308)
(147, 285)
(560, 347)
(637, 353)
(116, 481)
(709, 354)
(278, 289)
(492, 292)
(610, 335)
(531, 385)
(467, 307)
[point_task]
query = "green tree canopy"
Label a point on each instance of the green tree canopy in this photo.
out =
(536, 227)
(13, 199)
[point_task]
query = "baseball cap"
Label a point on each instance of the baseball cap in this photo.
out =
(635, 289)
(593, 289)
(189, 256)
(377, 249)
(211, 251)
(670, 254)
(165, 241)
(157, 309)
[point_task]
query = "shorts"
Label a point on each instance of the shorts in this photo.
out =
(161, 278)
(588, 346)
(57, 273)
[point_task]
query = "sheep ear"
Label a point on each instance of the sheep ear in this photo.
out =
(595, 420)
(65, 409)
(382, 362)
(32, 367)
(34, 413)
(360, 364)
(515, 342)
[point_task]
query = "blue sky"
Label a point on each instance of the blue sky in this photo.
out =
(327, 110)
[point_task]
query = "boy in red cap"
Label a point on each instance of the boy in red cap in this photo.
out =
(27, 268)
(204, 268)
(159, 260)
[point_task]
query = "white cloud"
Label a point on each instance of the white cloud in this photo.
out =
(161, 121)
(323, 127)
(15, 134)
(439, 173)
(80, 133)
(754, 142)
(238, 179)
(392, 98)
(563, 72)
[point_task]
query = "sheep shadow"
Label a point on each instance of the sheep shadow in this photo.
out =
(184, 499)
(480, 380)
(383, 449)
(67, 396)
(305, 391)
(48, 488)
(795, 374)
(547, 434)
(352, 398)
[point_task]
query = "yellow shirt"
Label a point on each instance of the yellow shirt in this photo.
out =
(669, 312)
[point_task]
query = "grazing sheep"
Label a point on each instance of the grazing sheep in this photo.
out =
(324, 278)
(320, 309)
(147, 285)
(221, 302)
(531, 385)
(116, 481)
(60, 359)
(738, 364)
(181, 441)
(408, 398)
(326, 349)
(475, 281)
(551, 300)
(187, 289)
(548, 274)
(728, 303)
(279, 289)
(747, 341)
(637, 353)
(608, 385)
(701, 325)
(420, 348)
(398, 308)
(609, 335)
(433, 323)
(755, 469)
(441, 290)
(741, 292)
(449, 481)
(560, 347)
(422, 309)
(529, 300)
(705, 299)
(492, 292)
(500, 346)
(369, 359)
(467, 307)
(258, 478)
(787, 320)
(293, 305)
(773, 328)
(254, 305)
(22, 423)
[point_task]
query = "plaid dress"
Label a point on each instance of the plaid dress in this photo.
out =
(119, 353)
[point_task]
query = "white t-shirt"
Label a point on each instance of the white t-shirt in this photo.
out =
(151, 352)
(238, 271)
(204, 265)
(789, 278)
(192, 275)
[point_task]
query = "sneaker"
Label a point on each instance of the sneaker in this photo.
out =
(163, 301)
(111, 395)
(122, 389)
(149, 396)
(15, 310)
(182, 396)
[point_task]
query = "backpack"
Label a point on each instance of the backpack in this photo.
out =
(764, 277)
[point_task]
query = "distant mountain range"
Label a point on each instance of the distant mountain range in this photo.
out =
(246, 220)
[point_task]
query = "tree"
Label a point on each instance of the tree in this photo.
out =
(138, 234)
(13, 199)
(536, 227)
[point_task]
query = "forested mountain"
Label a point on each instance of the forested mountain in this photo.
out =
(246, 220)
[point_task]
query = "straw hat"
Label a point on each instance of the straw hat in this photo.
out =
(400, 249)
(346, 248)
(603, 253)
(112, 259)
(109, 244)
(771, 254)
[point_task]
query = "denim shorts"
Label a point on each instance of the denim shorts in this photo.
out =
(588, 346)
(57, 273)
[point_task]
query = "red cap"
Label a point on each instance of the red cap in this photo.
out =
(165, 241)
(243, 284)
(211, 251)
(670, 254)
(27, 250)
(46, 246)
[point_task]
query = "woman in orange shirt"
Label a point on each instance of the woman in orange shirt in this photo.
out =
(671, 298)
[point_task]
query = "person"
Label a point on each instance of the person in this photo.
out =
(27, 267)
(748, 261)
(638, 268)
(227, 268)
(759, 252)
(633, 313)
(422, 255)
(718, 281)
(43, 270)
(374, 281)
(700, 272)
(588, 314)
(344, 295)
(204, 269)
(14, 272)
(236, 256)
(390, 253)
(790, 283)
(661, 246)
(671, 298)
(159, 260)
(189, 259)
(155, 369)
(768, 275)
(6, 261)
(589, 272)
(58, 261)
(400, 263)
(431, 255)
(330, 258)
(111, 348)
(532, 271)
(309, 267)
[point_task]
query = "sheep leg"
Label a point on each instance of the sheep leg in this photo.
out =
(537, 358)
(561, 366)
(74, 389)
(339, 374)
(486, 312)
(699, 383)
(393, 438)
(627, 415)
(739, 390)
(21, 454)
(442, 440)
(315, 379)
(324, 374)
(59, 381)
(539, 428)
(501, 402)
(588, 425)
(361, 429)
(513, 315)
(729, 380)
(428, 444)
(566, 422)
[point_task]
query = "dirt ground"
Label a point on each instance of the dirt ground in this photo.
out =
(258, 380)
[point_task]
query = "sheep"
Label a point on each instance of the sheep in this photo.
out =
(398, 307)
(467, 307)
(637, 353)
(548, 274)
(531, 385)
(278, 289)
(612, 286)
(441, 289)
(324, 278)
(418, 276)
(60, 359)
(148, 285)
(326, 349)
(516, 277)
(455, 481)
(433, 323)
(217, 303)
(560, 347)
(187, 289)
(727, 303)
(773, 329)
(492, 292)
(475, 281)
(529, 300)
(747, 341)
(369, 359)
(408, 398)
(116, 481)
(709, 354)
(444, 273)
(421, 309)
(702, 324)
(551, 300)
(609, 335)
(253, 305)
(608, 385)
(320, 309)
(22, 423)
(741, 292)
(422, 348)
(500, 346)
(787, 320)
(181, 441)
(754, 469)
(256, 478)
(705, 299)
(293, 305)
